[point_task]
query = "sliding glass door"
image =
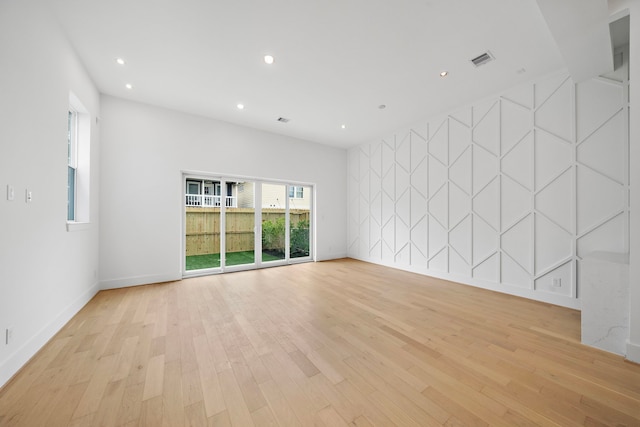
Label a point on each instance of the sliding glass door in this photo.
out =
(202, 224)
(299, 221)
(235, 224)
(274, 205)
(240, 224)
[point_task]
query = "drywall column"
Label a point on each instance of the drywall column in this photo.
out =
(633, 346)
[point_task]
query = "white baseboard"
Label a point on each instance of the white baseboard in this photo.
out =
(633, 352)
(22, 355)
(125, 282)
(328, 257)
(562, 301)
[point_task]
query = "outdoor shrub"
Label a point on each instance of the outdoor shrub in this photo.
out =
(273, 234)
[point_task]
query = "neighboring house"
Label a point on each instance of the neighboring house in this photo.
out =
(273, 197)
(241, 195)
(208, 194)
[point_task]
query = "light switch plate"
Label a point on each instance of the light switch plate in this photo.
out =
(11, 192)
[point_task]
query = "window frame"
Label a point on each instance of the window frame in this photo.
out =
(72, 164)
(79, 159)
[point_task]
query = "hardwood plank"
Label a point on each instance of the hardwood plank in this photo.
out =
(331, 343)
(154, 378)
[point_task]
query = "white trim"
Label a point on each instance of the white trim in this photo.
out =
(22, 355)
(563, 301)
(78, 226)
(331, 256)
(633, 352)
(146, 279)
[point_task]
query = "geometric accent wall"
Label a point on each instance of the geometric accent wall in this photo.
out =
(509, 193)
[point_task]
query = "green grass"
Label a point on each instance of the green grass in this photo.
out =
(198, 262)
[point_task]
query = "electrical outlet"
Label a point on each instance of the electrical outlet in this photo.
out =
(8, 335)
(28, 196)
(557, 282)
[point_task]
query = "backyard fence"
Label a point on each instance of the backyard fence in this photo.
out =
(203, 228)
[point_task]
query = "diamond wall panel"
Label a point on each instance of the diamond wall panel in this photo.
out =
(438, 206)
(439, 144)
(599, 100)
(485, 168)
(487, 131)
(516, 243)
(521, 95)
(608, 237)
(515, 124)
(517, 164)
(437, 237)
(420, 178)
(486, 204)
(485, 240)
(488, 269)
(554, 115)
(605, 150)
(418, 149)
(437, 175)
(440, 262)
(599, 198)
(460, 171)
(552, 157)
(459, 205)
(515, 201)
(464, 116)
(460, 239)
(457, 265)
(510, 191)
(418, 207)
(403, 152)
(552, 244)
(552, 202)
(513, 274)
(420, 239)
(459, 139)
(557, 281)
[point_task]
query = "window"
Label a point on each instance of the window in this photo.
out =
(296, 192)
(72, 164)
(78, 164)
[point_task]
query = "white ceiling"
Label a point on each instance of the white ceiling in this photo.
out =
(336, 61)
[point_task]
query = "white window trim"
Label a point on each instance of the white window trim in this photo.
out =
(82, 163)
(78, 226)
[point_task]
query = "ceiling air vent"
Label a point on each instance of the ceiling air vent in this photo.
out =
(283, 119)
(482, 59)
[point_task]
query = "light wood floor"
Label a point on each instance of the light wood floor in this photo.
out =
(333, 343)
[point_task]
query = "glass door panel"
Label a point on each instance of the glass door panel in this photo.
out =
(299, 221)
(239, 223)
(202, 226)
(274, 200)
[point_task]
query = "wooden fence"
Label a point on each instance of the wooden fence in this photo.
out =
(203, 228)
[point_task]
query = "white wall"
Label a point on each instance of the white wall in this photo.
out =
(46, 273)
(508, 193)
(144, 150)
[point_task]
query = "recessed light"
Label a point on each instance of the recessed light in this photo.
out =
(382, 107)
(129, 86)
(240, 106)
(343, 126)
(444, 73)
(268, 59)
(120, 61)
